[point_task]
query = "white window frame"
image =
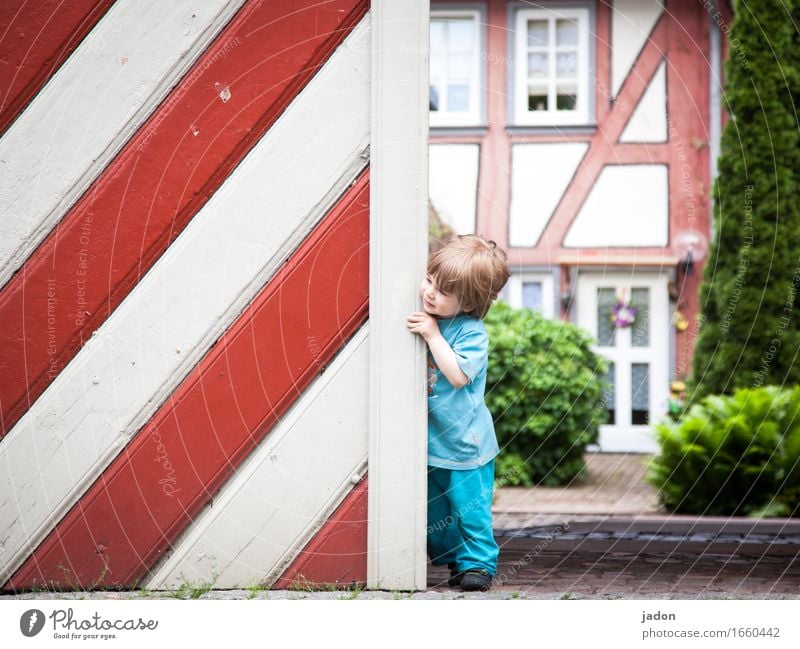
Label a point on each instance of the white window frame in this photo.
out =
(514, 290)
(458, 118)
(550, 117)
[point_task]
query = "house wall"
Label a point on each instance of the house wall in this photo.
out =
(614, 192)
(617, 192)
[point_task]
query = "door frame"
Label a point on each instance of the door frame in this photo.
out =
(624, 436)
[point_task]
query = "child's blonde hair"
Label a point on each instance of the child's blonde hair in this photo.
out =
(471, 268)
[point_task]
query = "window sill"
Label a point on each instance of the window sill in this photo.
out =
(550, 129)
(445, 131)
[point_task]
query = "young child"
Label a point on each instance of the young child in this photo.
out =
(463, 280)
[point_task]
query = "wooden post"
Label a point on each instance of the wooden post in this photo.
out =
(398, 256)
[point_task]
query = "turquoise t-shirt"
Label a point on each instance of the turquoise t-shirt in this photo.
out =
(460, 428)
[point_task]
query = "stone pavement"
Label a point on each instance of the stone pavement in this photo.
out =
(614, 487)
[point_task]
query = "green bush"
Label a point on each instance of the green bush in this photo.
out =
(544, 388)
(732, 455)
(512, 470)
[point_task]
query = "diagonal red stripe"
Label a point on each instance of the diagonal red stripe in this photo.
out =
(36, 37)
(337, 555)
(228, 403)
(164, 175)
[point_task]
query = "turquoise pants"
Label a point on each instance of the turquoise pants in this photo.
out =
(460, 518)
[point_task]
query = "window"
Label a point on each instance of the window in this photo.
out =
(455, 68)
(552, 71)
(532, 291)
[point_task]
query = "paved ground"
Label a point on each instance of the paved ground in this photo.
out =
(633, 575)
(431, 594)
(607, 538)
(615, 487)
(687, 557)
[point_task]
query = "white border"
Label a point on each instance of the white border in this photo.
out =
(396, 540)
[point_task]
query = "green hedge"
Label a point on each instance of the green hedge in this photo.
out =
(732, 455)
(544, 389)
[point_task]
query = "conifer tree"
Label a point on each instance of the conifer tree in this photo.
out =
(749, 299)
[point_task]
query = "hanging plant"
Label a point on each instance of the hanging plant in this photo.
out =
(622, 313)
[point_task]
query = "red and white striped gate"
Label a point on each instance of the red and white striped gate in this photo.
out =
(213, 217)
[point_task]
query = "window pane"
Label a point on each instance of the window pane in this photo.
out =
(640, 329)
(537, 99)
(566, 102)
(437, 66)
(433, 99)
(538, 65)
(608, 393)
(437, 35)
(458, 67)
(459, 35)
(566, 32)
(566, 97)
(532, 295)
(606, 331)
(567, 64)
(640, 394)
(537, 33)
(458, 98)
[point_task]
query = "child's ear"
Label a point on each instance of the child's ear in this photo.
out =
(469, 306)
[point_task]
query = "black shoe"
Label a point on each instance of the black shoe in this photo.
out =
(476, 579)
(455, 576)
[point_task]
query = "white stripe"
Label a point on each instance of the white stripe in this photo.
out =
(280, 498)
(187, 300)
(84, 115)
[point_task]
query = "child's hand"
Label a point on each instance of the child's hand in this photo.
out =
(423, 324)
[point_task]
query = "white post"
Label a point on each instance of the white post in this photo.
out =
(396, 543)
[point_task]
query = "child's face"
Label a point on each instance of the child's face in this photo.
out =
(437, 303)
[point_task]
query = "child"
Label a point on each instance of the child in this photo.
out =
(463, 279)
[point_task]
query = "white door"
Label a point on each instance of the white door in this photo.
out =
(637, 354)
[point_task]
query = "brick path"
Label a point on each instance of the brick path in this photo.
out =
(630, 575)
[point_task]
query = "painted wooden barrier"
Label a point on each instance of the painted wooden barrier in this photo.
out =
(198, 289)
